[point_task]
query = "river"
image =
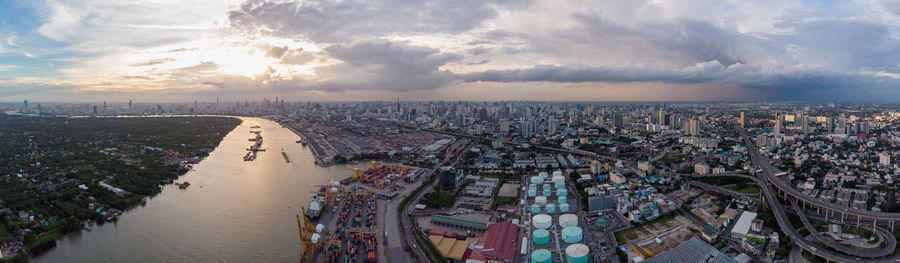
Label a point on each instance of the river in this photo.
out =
(234, 211)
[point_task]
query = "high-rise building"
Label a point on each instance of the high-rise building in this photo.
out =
(448, 178)
(24, 107)
(779, 123)
(884, 158)
(618, 121)
(504, 127)
(552, 124)
(804, 124)
(691, 127)
(528, 128)
(744, 122)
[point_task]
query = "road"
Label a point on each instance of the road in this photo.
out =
(409, 241)
(394, 249)
(767, 177)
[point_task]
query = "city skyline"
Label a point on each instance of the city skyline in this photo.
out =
(159, 51)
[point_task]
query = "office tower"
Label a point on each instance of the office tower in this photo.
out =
(743, 120)
(552, 123)
(804, 124)
(504, 127)
(25, 107)
(618, 121)
(779, 123)
(528, 128)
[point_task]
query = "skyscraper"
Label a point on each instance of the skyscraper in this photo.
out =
(528, 128)
(779, 123)
(743, 120)
(804, 124)
(552, 124)
(25, 107)
(618, 121)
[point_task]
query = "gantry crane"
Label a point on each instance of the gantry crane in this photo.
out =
(307, 247)
(374, 165)
(358, 174)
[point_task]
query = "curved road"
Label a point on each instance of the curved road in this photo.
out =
(767, 176)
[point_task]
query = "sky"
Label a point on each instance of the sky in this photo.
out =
(354, 50)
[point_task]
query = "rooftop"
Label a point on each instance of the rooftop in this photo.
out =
(692, 251)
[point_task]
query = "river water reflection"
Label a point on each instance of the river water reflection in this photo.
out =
(234, 211)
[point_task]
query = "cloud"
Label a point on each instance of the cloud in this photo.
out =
(8, 67)
(153, 62)
(339, 21)
(276, 52)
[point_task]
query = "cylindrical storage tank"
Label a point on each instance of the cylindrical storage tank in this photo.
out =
(551, 208)
(543, 174)
(568, 220)
(559, 179)
(557, 173)
(563, 208)
(532, 187)
(562, 192)
(572, 234)
(540, 256)
(548, 193)
(577, 253)
(562, 200)
(537, 180)
(560, 185)
(535, 208)
(541, 200)
(532, 192)
(540, 236)
(546, 187)
(542, 221)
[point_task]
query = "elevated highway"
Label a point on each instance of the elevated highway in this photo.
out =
(767, 179)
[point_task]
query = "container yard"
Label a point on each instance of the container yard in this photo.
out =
(378, 176)
(347, 229)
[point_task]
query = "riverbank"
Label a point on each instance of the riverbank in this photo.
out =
(200, 224)
(313, 145)
(63, 172)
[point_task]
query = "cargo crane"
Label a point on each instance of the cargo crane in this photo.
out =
(358, 174)
(374, 165)
(307, 247)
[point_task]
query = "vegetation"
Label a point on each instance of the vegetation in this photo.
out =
(53, 167)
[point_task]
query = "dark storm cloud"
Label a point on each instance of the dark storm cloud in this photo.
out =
(331, 21)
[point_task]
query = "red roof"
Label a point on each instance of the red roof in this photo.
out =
(500, 241)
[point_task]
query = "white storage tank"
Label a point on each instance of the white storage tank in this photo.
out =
(568, 220)
(542, 221)
(532, 193)
(537, 180)
(557, 173)
(577, 253)
(563, 208)
(559, 179)
(572, 234)
(562, 192)
(320, 228)
(541, 200)
(543, 175)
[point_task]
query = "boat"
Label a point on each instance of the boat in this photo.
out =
(183, 185)
(255, 127)
(257, 138)
(285, 156)
(315, 207)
